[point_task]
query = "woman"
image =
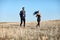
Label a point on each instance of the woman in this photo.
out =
(38, 17)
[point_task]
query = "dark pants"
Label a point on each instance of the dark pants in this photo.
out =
(22, 20)
(38, 24)
(38, 21)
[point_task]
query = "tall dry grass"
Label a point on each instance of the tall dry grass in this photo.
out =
(49, 30)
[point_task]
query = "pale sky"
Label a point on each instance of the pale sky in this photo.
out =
(9, 9)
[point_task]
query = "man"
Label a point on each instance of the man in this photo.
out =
(22, 16)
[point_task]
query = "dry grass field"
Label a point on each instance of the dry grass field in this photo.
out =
(49, 30)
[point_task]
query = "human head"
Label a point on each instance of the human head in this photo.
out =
(22, 8)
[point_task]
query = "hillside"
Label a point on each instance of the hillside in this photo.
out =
(49, 30)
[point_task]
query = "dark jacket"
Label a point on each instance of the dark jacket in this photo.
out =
(38, 18)
(22, 14)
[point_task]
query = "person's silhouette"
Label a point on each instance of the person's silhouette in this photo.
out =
(22, 16)
(38, 18)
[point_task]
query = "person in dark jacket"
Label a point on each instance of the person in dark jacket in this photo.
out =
(38, 19)
(22, 16)
(38, 15)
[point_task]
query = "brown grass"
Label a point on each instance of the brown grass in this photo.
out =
(49, 30)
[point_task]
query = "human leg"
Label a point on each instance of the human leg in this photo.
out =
(21, 22)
